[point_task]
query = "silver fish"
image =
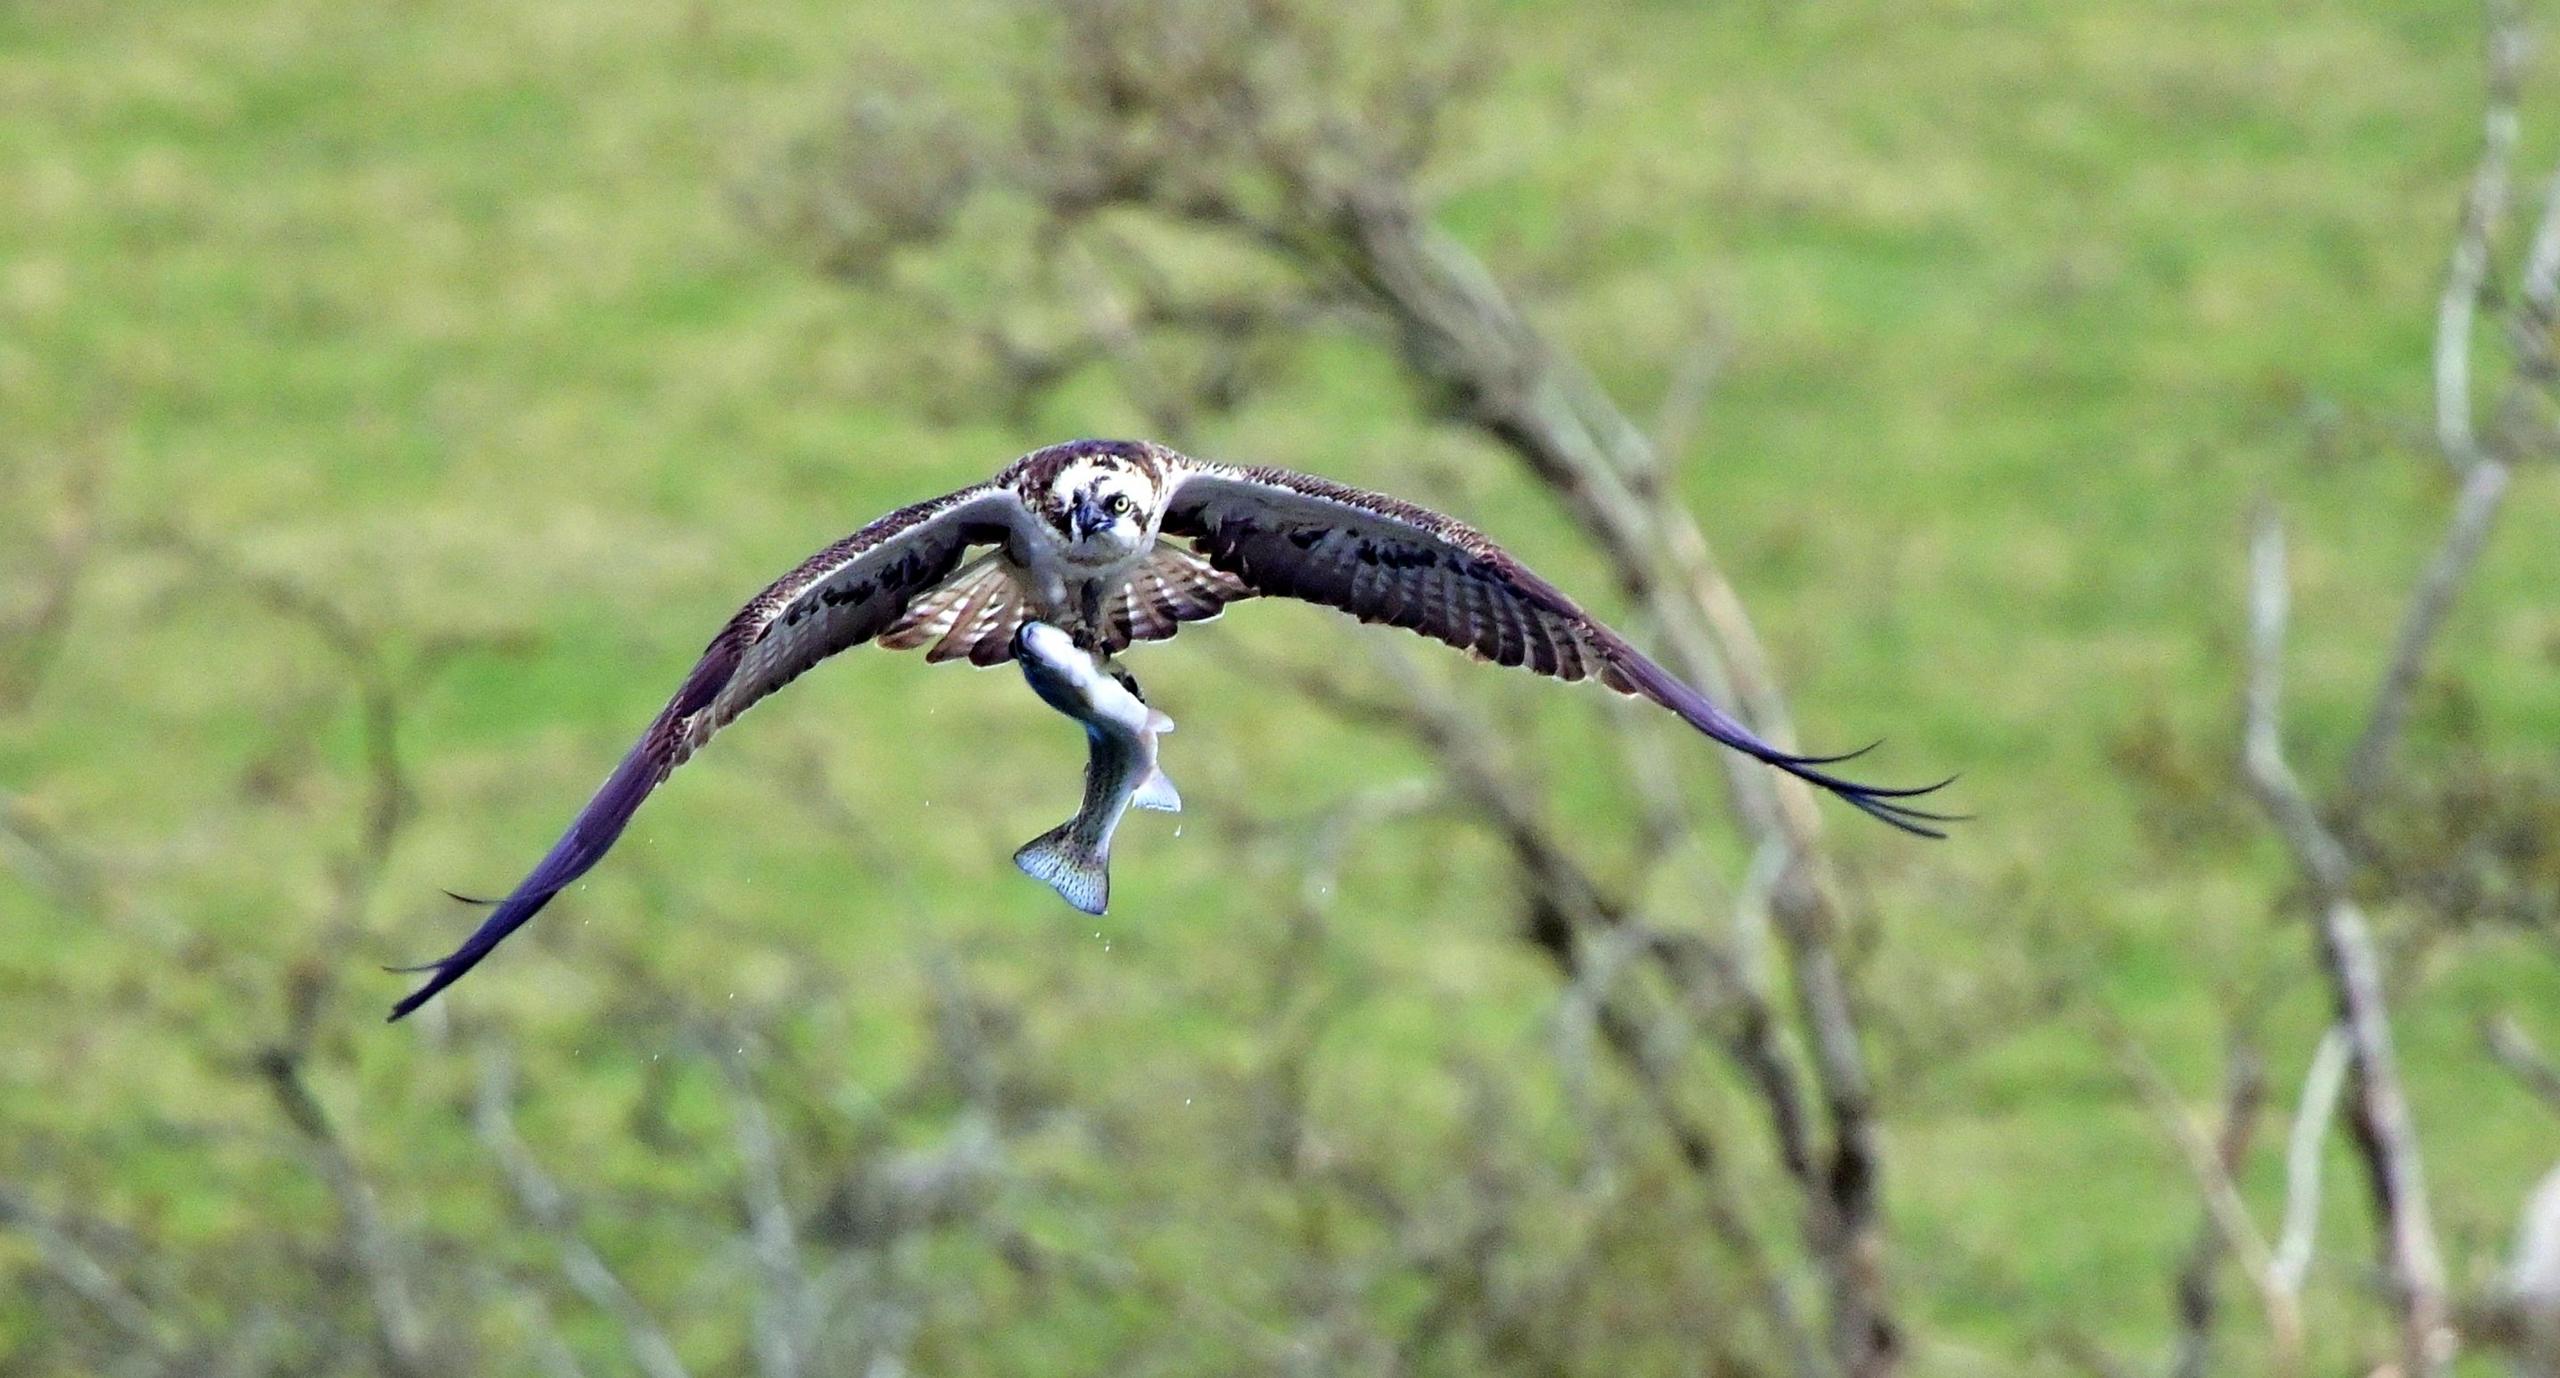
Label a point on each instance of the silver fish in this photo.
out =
(1074, 858)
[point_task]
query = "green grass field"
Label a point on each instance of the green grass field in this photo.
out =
(449, 310)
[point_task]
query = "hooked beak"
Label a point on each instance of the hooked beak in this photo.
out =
(1087, 517)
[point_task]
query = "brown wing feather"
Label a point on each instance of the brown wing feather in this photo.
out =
(1174, 586)
(1384, 560)
(975, 612)
(971, 614)
(838, 598)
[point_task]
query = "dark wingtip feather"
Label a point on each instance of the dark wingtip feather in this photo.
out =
(1881, 802)
(510, 916)
(1776, 757)
(1877, 801)
(581, 847)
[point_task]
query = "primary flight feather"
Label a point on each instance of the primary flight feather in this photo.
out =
(1116, 542)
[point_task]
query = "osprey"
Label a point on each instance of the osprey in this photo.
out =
(1116, 542)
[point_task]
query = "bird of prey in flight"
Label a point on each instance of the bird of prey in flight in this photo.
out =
(1121, 541)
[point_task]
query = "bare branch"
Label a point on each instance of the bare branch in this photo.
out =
(47, 861)
(32, 636)
(2529, 328)
(2532, 1283)
(1684, 398)
(2313, 1113)
(785, 1323)
(1573, 918)
(2243, 1097)
(89, 1279)
(2467, 275)
(2386, 1139)
(399, 1330)
(2212, 1161)
(379, 686)
(2515, 1050)
(2484, 484)
(548, 1208)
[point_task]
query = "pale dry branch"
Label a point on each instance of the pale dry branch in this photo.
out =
(2485, 466)
(2467, 276)
(2386, 1138)
(2314, 1111)
(2532, 1282)
(2530, 322)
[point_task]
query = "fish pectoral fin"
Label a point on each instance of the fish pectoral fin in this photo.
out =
(1156, 792)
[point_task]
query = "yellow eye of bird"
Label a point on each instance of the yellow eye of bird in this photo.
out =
(1118, 504)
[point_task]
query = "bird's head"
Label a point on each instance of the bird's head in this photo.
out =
(1104, 503)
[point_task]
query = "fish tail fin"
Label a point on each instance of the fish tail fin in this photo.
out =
(1155, 791)
(1077, 869)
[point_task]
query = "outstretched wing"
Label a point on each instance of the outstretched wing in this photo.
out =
(1382, 560)
(838, 598)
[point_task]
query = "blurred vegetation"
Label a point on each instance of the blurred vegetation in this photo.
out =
(392, 398)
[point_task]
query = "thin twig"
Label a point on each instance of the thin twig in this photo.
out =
(2475, 510)
(400, 1331)
(2244, 1090)
(784, 1321)
(89, 1279)
(2515, 1050)
(548, 1208)
(1684, 397)
(32, 636)
(2466, 277)
(2212, 1162)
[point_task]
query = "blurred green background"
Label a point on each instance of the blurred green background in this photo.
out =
(459, 322)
